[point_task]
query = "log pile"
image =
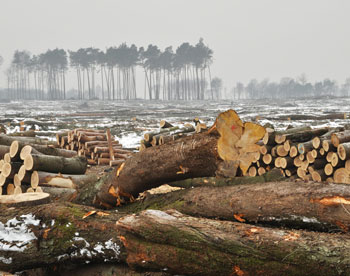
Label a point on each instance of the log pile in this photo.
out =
(98, 146)
(167, 133)
(214, 226)
(36, 168)
(321, 154)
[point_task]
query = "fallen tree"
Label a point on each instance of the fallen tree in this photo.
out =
(230, 144)
(314, 206)
(154, 240)
(53, 234)
(196, 246)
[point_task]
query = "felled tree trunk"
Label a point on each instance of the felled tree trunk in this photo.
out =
(194, 156)
(54, 234)
(273, 175)
(55, 164)
(7, 140)
(185, 245)
(315, 206)
(62, 180)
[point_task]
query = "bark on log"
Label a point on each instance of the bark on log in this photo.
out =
(153, 240)
(303, 148)
(7, 140)
(28, 133)
(62, 180)
(55, 164)
(3, 150)
(21, 200)
(192, 246)
(55, 151)
(340, 137)
(110, 145)
(272, 175)
(149, 135)
(59, 194)
(85, 138)
(307, 135)
(59, 135)
(99, 143)
(344, 151)
(296, 117)
(316, 206)
(194, 156)
(17, 147)
(165, 124)
(54, 234)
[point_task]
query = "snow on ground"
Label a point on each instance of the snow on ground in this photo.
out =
(129, 120)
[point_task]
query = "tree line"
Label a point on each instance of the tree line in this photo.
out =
(289, 88)
(183, 74)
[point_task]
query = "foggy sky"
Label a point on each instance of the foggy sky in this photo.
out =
(250, 38)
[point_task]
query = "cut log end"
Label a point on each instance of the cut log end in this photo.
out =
(7, 158)
(26, 199)
(14, 148)
(316, 142)
(6, 169)
(21, 172)
(26, 150)
(328, 169)
(16, 180)
(34, 179)
(28, 162)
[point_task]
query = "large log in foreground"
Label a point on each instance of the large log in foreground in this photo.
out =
(54, 234)
(315, 206)
(193, 246)
(189, 157)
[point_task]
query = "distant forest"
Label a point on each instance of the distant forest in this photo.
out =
(111, 74)
(289, 88)
(183, 74)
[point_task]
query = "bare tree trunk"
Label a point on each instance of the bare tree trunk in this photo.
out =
(196, 246)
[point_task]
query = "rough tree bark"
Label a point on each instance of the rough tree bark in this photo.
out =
(316, 206)
(154, 240)
(193, 246)
(193, 156)
(53, 234)
(55, 164)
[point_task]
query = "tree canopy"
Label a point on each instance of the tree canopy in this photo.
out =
(179, 74)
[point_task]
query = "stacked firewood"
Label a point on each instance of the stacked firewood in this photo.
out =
(28, 167)
(321, 154)
(167, 132)
(98, 146)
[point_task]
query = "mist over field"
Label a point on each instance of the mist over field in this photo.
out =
(183, 50)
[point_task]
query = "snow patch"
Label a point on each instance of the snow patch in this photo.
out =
(160, 214)
(99, 248)
(113, 246)
(64, 256)
(130, 140)
(5, 260)
(15, 234)
(81, 239)
(306, 219)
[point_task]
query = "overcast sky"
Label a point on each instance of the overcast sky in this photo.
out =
(250, 38)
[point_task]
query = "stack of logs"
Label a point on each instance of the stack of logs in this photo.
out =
(98, 146)
(33, 165)
(167, 132)
(321, 154)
